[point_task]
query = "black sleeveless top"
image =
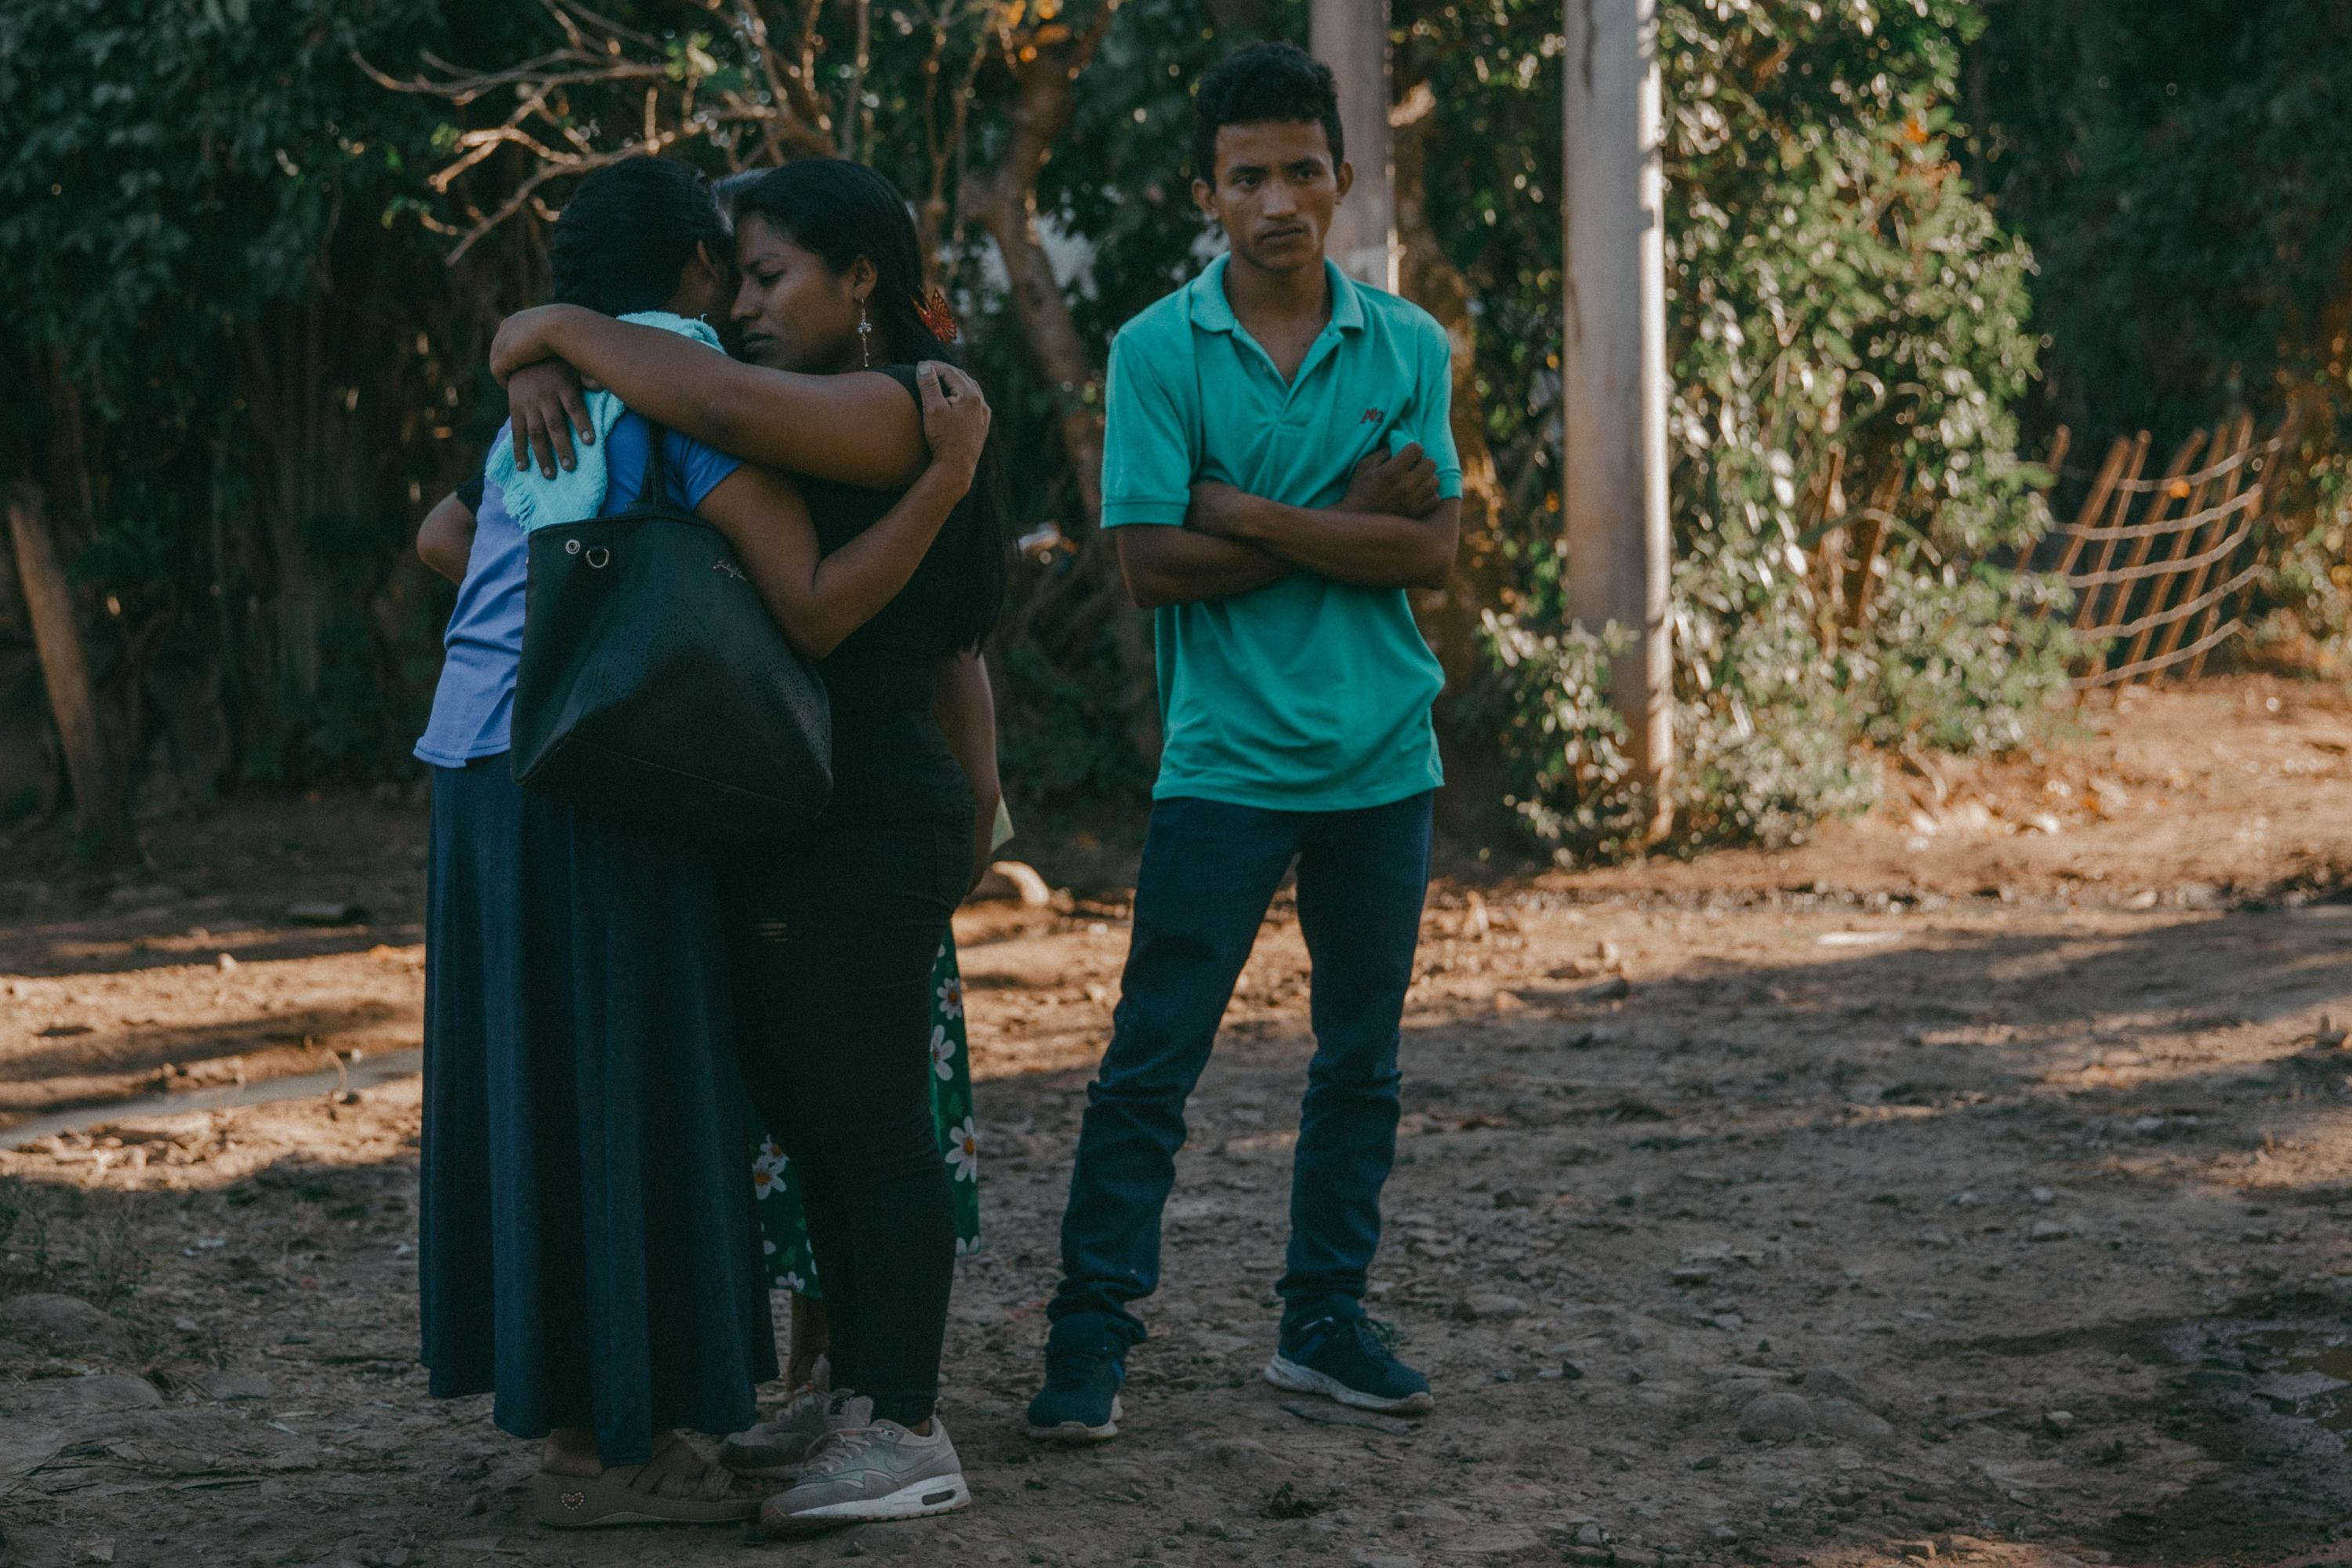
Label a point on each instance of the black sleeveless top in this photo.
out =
(887, 750)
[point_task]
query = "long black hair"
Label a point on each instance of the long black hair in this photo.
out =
(840, 211)
(625, 237)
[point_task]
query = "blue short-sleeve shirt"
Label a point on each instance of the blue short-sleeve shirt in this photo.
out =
(1307, 694)
(473, 706)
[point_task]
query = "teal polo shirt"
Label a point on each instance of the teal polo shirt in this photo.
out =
(1305, 695)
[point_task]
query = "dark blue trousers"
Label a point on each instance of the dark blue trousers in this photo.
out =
(1209, 870)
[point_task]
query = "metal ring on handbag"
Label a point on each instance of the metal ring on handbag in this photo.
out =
(600, 557)
(571, 547)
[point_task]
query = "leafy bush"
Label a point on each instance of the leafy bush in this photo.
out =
(1843, 315)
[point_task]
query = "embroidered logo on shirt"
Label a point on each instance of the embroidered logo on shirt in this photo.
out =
(1373, 415)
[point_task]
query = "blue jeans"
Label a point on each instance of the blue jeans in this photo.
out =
(1210, 869)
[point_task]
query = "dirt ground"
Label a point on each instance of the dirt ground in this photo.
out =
(1970, 1184)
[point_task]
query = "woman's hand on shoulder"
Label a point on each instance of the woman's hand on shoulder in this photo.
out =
(545, 407)
(955, 416)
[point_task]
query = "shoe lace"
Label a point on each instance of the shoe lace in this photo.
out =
(1072, 1369)
(1375, 1338)
(838, 1449)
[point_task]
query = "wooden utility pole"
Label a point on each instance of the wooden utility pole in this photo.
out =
(98, 802)
(1351, 37)
(1613, 365)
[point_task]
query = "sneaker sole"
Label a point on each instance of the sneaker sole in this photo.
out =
(940, 1494)
(1289, 1374)
(1075, 1432)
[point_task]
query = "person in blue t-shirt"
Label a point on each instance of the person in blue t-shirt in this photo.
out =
(1277, 472)
(587, 1248)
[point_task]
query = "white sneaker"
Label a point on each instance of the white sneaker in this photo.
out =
(878, 1471)
(773, 1449)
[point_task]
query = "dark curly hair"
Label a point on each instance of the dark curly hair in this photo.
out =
(840, 211)
(629, 230)
(1279, 82)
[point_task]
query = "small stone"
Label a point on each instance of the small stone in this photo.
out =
(1570, 1370)
(2043, 1197)
(1845, 1419)
(1481, 1304)
(2048, 1230)
(1923, 1551)
(1776, 1418)
(1704, 1462)
(235, 1384)
(2058, 1423)
(1589, 1534)
(1504, 1543)
(1829, 1382)
(97, 1552)
(1691, 1276)
(64, 1326)
(225, 963)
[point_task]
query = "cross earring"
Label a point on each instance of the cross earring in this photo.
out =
(865, 338)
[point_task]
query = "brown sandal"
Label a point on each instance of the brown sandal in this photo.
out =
(631, 1494)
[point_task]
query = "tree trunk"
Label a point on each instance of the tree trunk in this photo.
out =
(98, 787)
(1003, 200)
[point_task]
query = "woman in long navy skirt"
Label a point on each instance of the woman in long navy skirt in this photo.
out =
(588, 1253)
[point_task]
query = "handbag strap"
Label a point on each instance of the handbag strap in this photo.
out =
(653, 489)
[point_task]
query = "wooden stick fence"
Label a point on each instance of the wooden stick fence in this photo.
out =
(2160, 592)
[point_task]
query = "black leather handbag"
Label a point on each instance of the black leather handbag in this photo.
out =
(654, 686)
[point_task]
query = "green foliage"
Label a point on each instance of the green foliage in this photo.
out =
(1833, 287)
(219, 231)
(2187, 188)
(236, 379)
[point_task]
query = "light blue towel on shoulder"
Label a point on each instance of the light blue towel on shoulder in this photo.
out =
(532, 498)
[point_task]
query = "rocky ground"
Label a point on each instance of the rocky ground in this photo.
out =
(1972, 1184)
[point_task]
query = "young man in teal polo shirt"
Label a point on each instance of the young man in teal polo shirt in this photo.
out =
(1278, 471)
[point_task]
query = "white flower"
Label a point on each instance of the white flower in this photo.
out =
(763, 1182)
(942, 1052)
(963, 1153)
(793, 1282)
(771, 1158)
(966, 1246)
(951, 996)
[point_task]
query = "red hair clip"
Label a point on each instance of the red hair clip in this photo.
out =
(933, 306)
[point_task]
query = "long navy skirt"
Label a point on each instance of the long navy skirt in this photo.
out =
(589, 1251)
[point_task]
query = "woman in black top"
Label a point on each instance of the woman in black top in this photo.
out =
(836, 930)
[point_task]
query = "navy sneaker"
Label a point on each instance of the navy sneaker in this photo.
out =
(1349, 1359)
(1079, 1403)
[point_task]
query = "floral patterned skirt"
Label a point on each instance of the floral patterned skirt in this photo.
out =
(783, 1228)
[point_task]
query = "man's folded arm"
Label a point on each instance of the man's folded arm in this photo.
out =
(1167, 564)
(1363, 548)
